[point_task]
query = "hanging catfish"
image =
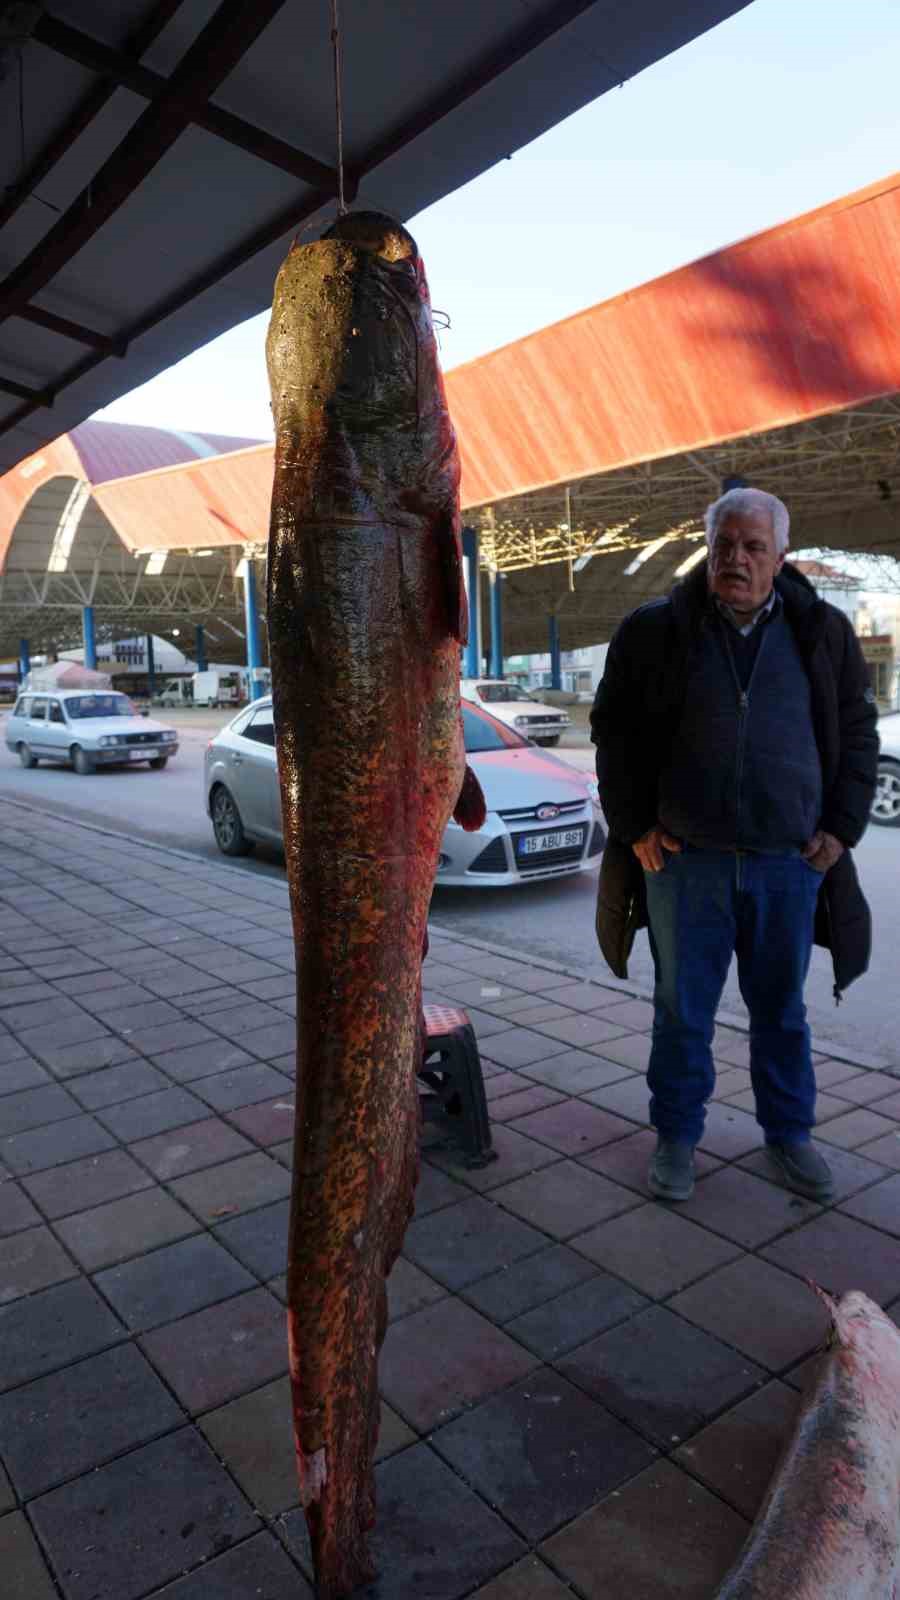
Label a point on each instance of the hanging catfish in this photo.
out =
(366, 613)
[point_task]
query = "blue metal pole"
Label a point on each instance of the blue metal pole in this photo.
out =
(151, 667)
(89, 637)
(24, 660)
(471, 663)
(496, 625)
(251, 618)
(555, 657)
(200, 648)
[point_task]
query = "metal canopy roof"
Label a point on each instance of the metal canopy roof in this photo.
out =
(605, 435)
(588, 448)
(161, 155)
(637, 526)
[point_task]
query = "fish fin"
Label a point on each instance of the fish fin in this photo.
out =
(830, 1303)
(456, 604)
(470, 810)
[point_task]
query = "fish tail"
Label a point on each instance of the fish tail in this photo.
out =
(470, 810)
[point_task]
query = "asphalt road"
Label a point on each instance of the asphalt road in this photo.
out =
(551, 920)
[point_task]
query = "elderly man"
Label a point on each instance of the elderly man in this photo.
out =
(737, 755)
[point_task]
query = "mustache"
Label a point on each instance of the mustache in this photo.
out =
(729, 572)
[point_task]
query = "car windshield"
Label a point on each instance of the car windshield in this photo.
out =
(496, 694)
(482, 732)
(84, 707)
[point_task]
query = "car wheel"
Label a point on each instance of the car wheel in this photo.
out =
(227, 825)
(158, 763)
(886, 804)
(81, 761)
(25, 756)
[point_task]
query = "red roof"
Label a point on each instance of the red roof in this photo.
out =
(120, 449)
(785, 326)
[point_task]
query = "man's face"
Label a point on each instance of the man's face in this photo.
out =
(743, 562)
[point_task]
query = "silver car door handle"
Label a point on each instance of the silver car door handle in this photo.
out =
(236, 758)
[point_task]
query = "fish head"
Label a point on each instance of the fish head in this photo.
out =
(861, 1328)
(375, 232)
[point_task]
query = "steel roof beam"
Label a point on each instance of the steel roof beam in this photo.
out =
(125, 71)
(215, 53)
(260, 239)
(109, 344)
(84, 114)
(35, 397)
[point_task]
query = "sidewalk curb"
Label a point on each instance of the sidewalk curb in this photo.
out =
(632, 990)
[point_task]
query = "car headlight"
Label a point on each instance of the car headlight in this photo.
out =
(593, 789)
(521, 722)
(108, 738)
(170, 738)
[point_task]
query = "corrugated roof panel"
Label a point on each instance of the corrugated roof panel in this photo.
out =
(111, 450)
(787, 325)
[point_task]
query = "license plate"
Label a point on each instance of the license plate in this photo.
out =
(137, 755)
(534, 844)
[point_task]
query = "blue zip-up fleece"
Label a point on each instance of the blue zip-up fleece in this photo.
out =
(744, 770)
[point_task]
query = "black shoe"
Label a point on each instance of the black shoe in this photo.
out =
(803, 1170)
(671, 1175)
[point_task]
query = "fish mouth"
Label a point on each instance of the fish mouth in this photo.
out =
(376, 232)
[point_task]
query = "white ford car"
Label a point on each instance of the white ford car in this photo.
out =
(87, 729)
(517, 707)
(543, 817)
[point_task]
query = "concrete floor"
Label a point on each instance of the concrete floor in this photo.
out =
(584, 1392)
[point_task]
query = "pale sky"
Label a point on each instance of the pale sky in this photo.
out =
(788, 105)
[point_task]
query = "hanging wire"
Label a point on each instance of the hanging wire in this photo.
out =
(338, 105)
(10, 188)
(21, 109)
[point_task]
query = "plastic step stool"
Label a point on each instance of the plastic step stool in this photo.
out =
(451, 1068)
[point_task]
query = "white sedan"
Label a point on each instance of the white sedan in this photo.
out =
(886, 805)
(87, 729)
(519, 709)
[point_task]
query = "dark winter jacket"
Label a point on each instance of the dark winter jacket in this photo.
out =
(638, 706)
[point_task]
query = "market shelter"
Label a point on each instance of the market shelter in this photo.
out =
(172, 150)
(592, 447)
(76, 561)
(589, 450)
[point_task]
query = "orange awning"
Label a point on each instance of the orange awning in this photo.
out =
(784, 326)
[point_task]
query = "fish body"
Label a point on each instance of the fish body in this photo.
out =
(829, 1528)
(366, 612)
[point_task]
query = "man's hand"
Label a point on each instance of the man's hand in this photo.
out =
(822, 851)
(649, 849)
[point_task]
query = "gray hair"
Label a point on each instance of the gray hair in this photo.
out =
(737, 502)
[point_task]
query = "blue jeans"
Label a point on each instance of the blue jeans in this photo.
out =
(704, 906)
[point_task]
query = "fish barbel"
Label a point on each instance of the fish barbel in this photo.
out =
(829, 1527)
(366, 612)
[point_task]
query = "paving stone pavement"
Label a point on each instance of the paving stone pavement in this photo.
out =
(584, 1392)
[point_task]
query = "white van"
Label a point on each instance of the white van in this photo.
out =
(177, 692)
(217, 688)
